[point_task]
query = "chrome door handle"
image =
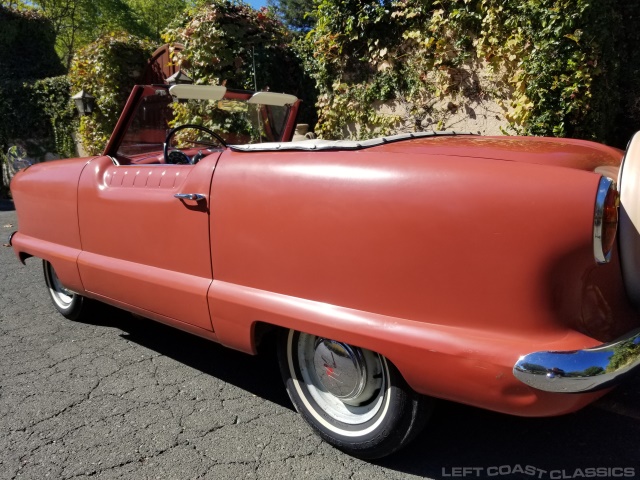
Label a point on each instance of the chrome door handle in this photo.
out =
(190, 196)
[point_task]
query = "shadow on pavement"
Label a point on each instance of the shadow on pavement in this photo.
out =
(492, 445)
(546, 448)
(259, 375)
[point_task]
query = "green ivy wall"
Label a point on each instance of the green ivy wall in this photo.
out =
(557, 67)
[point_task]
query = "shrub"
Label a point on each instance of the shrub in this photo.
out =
(224, 40)
(52, 96)
(107, 69)
(26, 43)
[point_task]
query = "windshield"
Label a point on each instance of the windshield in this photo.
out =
(238, 120)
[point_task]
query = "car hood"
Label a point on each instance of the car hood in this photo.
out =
(564, 152)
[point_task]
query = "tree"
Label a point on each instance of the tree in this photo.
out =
(78, 22)
(13, 4)
(297, 14)
(109, 67)
(157, 15)
(224, 40)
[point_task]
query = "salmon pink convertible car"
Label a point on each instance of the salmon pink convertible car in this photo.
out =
(500, 272)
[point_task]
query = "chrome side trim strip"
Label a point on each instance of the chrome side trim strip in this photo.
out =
(580, 371)
(598, 250)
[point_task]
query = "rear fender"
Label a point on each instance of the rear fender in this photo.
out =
(462, 365)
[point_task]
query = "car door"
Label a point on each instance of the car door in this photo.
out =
(142, 244)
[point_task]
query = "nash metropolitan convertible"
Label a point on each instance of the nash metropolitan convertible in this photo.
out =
(500, 272)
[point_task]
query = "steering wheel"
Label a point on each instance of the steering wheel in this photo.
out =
(179, 157)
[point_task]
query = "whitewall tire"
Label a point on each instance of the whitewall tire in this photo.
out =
(69, 304)
(355, 399)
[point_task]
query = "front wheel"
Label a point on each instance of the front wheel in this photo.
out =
(353, 398)
(69, 304)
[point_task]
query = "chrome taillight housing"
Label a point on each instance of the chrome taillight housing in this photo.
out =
(605, 219)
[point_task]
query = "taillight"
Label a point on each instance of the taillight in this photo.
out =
(605, 221)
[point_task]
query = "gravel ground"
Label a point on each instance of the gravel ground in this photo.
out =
(124, 397)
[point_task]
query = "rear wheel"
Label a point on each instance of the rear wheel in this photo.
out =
(68, 303)
(353, 398)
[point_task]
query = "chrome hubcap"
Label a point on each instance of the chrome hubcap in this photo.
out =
(348, 383)
(341, 369)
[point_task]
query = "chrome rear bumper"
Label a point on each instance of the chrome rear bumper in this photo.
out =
(580, 371)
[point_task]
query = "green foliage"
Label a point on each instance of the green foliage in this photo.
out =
(351, 108)
(107, 69)
(26, 43)
(156, 16)
(53, 98)
(13, 4)
(79, 22)
(41, 114)
(549, 52)
(223, 41)
(298, 15)
(561, 67)
(623, 355)
(220, 117)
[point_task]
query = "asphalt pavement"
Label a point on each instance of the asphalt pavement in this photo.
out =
(126, 397)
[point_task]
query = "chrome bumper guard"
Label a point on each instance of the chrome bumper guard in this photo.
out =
(580, 371)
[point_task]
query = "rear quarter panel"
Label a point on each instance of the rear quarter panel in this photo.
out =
(450, 266)
(461, 242)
